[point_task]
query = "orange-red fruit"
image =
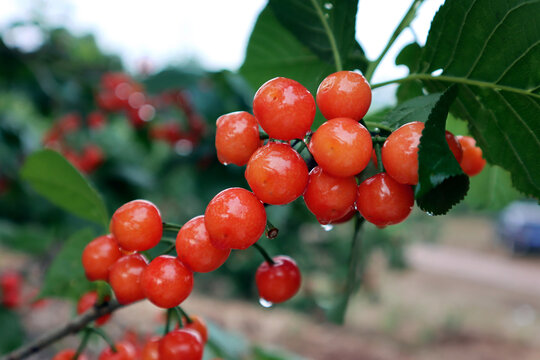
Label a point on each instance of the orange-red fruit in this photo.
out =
(150, 350)
(280, 281)
(342, 147)
(68, 355)
(125, 351)
(277, 174)
(87, 301)
(284, 108)
(137, 225)
(472, 162)
(383, 201)
(328, 197)
(195, 249)
(235, 219)
(166, 282)
(125, 278)
(197, 324)
(182, 344)
(400, 153)
(99, 255)
(344, 94)
(237, 137)
(454, 145)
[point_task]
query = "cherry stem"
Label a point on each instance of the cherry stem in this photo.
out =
(380, 165)
(104, 336)
(263, 252)
(103, 292)
(184, 314)
(169, 249)
(271, 231)
(86, 336)
(171, 226)
(168, 321)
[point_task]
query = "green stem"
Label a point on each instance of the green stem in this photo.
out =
(104, 336)
(405, 22)
(330, 34)
(263, 252)
(178, 314)
(82, 345)
(169, 249)
(457, 80)
(171, 226)
(380, 166)
(375, 125)
(185, 314)
(168, 321)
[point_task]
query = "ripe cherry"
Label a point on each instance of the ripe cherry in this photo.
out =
(197, 324)
(237, 137)
(182, 344)
(277, 174)
(99, 255)
(344, 94)
(284, 108)
(11, 289)
(328, 197)
(383, 201)
(235, 219)
(166, 282)
(280, 281)
(68, 354)
(454, 145)
(150, 350)
(472, 162)
(125, 278)
(125, 351)
(137, 225)
(87, 301)
(342, 147)
(195, 249)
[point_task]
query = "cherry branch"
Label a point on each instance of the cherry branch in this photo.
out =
(72, 327)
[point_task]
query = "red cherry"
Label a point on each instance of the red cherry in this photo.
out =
(125, 351)
(166, 282)
(69, 123)
(328, 197)
(68, 354)
(237, 137)
(99, 255)
(96, 120)
(342, 147)
(344, 94)
(11, 289)
(454, 145)
(383, 201)
(92, 157)
(182, 344)
(235, 219)
(280, 281)
(277, 174)
(151, 349)
(137, 225)
(125, 278)
(284, 108)
(472, 162)
(198, 325)
(195, 249)
(89, 300)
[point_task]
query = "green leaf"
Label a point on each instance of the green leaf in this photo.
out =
(492, 50)
(326, 27)
(417, 109)
(410, 57)
(11, 331)
(53, 177)
(65, 277)
(28, 238)
(491, 189)
(273, 51)
(441, 182)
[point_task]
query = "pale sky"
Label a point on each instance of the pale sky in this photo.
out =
(214, 32)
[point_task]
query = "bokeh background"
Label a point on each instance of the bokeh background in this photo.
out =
(465, 286)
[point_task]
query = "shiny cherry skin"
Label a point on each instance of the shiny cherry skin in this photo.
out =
(284, 108)
(277, 174)
(137, 225)
(344, 94)
(400, 153)
(472, 162)
(383, 201)
(280, 281)
(68, 354)
(329, 198)
(237, 137)
(454, 145)
(125, 278)
(150, 350)
(195, 249)
(182, 344)
(125, 351)
(99, 255)
(166, 282)
(87, 301)
(197, 324)
(235, 219)
(341, 147)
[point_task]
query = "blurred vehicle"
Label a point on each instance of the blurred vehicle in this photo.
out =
(519, 226)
